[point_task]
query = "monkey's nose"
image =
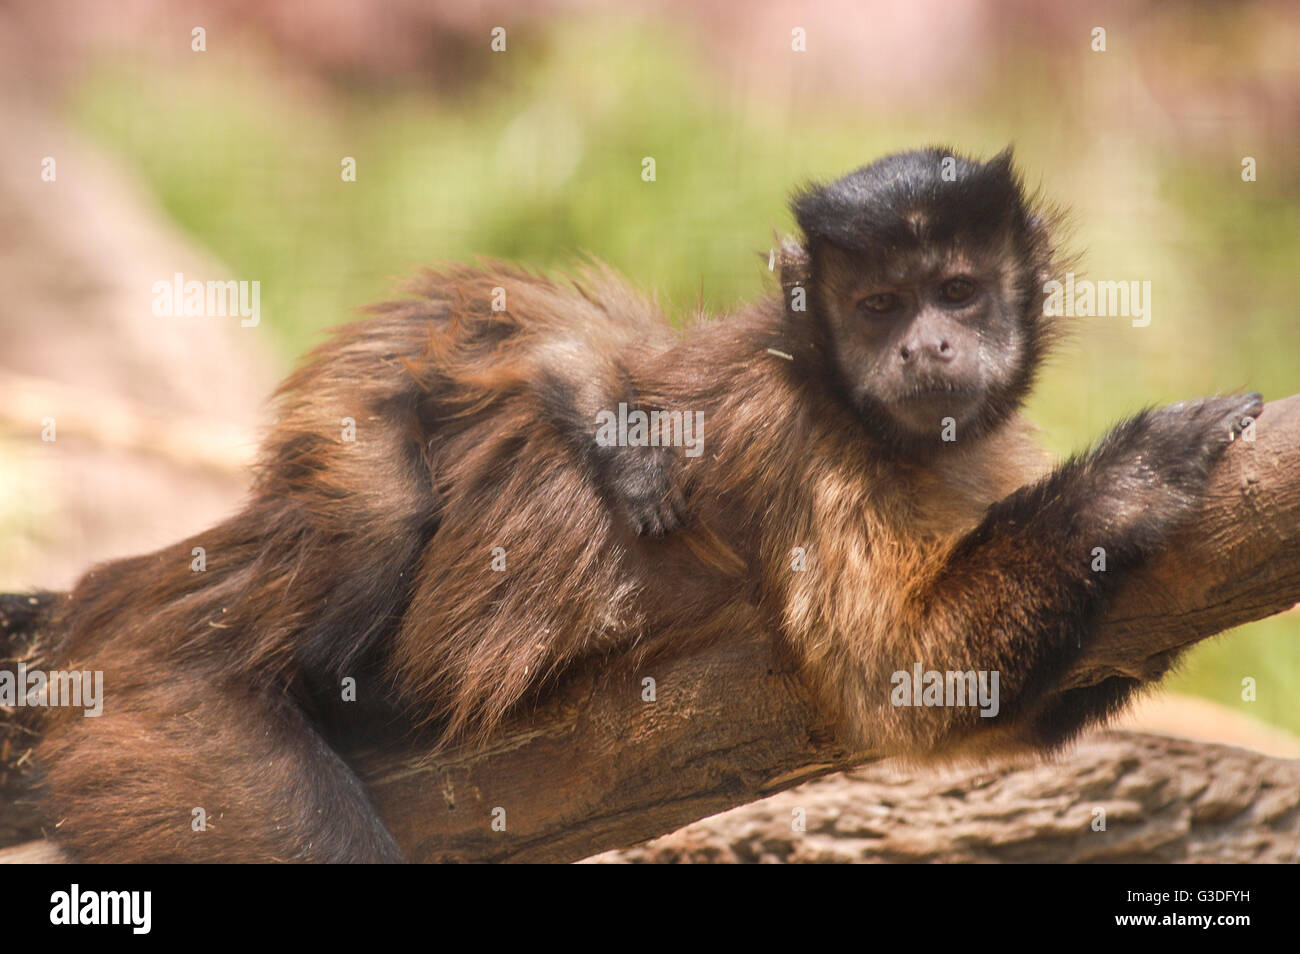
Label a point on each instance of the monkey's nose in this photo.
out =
(938, 351)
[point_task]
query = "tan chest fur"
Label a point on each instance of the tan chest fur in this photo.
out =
(878, 536)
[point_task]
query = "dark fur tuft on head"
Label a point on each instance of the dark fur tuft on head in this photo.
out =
(905, 200)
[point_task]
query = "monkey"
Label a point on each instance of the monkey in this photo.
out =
(474, 541)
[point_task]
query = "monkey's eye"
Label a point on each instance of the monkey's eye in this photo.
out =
(957, 291)
(879, 304)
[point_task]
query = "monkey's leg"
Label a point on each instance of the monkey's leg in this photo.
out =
(1026, 589)
(186, 771)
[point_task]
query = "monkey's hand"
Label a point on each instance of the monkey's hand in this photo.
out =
(635, 480)
(1151, 471)
(640, 482)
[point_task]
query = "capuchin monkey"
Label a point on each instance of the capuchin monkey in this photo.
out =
(857, 479)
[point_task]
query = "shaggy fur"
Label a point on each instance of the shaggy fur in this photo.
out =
(373, 559)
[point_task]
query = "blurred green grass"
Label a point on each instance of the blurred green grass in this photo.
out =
(541, 161)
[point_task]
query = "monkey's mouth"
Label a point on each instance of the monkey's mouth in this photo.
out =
(937, 390)
(928, 407)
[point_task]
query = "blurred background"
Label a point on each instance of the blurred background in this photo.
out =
(209, 138)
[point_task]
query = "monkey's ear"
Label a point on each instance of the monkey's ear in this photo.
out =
(811, 206)
(795, 262)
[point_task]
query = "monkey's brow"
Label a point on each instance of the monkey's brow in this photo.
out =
(923, 265)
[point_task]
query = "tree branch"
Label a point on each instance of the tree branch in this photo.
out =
(1118, 797)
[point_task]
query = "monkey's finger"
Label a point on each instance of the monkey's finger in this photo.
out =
(675, 508)
(1242, 410)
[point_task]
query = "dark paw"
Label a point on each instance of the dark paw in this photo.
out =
(655, 521)
(655, 517)
(1151, 472)
(1184, 440)
(640, 483)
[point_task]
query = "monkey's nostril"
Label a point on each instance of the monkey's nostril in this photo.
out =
(904, 352)
(944, 347)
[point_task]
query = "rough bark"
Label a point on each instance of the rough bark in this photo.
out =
(1118, 797)
(595, 768)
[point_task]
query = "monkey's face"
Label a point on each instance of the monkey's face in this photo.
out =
(929, 346)
(924, 267)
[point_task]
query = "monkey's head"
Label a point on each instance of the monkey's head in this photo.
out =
(924, 278)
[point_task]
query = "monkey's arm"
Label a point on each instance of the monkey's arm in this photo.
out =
(1024, 592)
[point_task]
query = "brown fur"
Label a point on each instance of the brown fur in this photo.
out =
(448, 433)
(373, 560)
